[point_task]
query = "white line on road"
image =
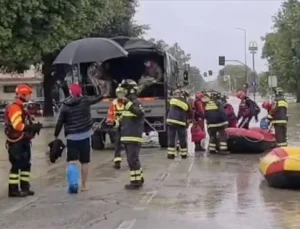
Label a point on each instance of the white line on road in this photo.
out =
(189, 172)
(146, 199)
(21, 205)
(191, 167)
(128, 224)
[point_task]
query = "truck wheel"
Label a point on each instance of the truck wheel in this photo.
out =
(163, 139)
(97, 141)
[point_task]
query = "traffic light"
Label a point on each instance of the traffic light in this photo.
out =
(221, 60)
(210, 73)
(205, 74)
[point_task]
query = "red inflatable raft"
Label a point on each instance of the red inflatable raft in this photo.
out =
(254, 140)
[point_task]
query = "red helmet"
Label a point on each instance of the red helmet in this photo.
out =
(75, 90)
(23, 90)
(267, 105)
(241, 94)
(199, 95)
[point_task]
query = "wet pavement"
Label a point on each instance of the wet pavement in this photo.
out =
(217, 192)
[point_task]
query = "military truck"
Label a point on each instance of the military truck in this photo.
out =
(153, 97)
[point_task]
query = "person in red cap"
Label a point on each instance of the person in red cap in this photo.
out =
(75, 117)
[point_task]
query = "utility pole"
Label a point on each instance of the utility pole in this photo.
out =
(253, 50)
(245, 52)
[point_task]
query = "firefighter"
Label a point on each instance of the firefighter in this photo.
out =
(177, 120)
(114, 113)
(20, 129)
(132, 127)
(247, 110)
(278, 117)
(229, 110)
(216, 120)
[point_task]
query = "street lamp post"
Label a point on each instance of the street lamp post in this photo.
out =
(253, 50)
(245, 49)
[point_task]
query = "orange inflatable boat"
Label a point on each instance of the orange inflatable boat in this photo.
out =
(281, 167)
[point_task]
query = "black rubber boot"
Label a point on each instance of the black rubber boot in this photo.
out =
(117, 165)
(13, 191)
(184, 156)
(142, 181)
(212, 152)
(224, 153)
(28, 192)
(133, 185)
(171, 156)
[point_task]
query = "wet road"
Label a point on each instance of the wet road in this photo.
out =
(216, 192)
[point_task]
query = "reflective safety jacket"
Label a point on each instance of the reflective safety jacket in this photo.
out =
(178, 112)
(215, 114)
(15, 120)
(132, 122)
(278, 113)
(115, 110)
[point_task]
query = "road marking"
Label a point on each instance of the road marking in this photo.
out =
(21, 205)
(127, 224)
(189, 172)
(191, 167)
(146, 199)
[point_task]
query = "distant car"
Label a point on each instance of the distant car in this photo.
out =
(3, 104)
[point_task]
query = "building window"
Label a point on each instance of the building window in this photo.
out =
(9, 89)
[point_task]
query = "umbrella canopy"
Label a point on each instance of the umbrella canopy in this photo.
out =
(92, 49)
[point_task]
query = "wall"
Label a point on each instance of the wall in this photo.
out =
(11, 96)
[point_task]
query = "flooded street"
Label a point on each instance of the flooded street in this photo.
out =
(216, 192)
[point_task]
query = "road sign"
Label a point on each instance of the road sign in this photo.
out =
(272, 81)
(253, 84)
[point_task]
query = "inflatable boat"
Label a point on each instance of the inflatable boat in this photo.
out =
(281, 167)
(254, 140)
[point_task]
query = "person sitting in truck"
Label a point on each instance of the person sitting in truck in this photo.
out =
(152, 74)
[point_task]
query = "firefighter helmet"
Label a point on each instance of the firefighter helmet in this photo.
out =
(23, 90)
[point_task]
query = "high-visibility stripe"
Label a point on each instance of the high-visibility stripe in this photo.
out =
(176, 102)
(117, 159)
(131, 139)
(128, 105)
(173, 121)
(15, 115)
(17, 121)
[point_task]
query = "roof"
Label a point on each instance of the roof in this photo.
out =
(132, 44)
(13, 80)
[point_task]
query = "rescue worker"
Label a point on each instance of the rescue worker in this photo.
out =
(216, 120)
(177, 120)
(247, 110)
(278, 117)
(20, 129)
(132, 127)
(114, 113)
(229, 110)
(198, 114)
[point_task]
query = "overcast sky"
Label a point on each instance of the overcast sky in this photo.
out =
(206, 29)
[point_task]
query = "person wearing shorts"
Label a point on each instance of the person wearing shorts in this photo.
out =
(75, 117)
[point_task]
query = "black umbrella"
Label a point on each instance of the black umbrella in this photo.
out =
(92, 49)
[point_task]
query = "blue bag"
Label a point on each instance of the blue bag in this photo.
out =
(264, 124)
(73, 178)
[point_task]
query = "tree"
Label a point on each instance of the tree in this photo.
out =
(263, 86)
(282, 47)
(237, 77)
(33, 32)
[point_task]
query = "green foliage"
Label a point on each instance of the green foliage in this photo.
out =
(237, 77)
(31, 29)
(263, 87)
(282, 46)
